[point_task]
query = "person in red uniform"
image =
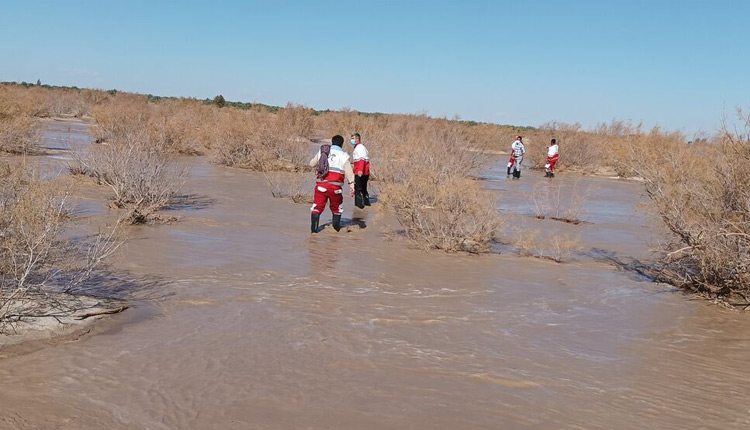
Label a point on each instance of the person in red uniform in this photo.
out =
(361, 159)
(330, 187)
(553, 154)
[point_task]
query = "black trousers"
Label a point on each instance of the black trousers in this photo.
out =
(361, 196)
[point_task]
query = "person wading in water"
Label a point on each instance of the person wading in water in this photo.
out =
(517, 150)
(553, 154)
(361, 160)
(332, 171)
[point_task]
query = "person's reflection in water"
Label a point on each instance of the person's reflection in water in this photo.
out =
(323, 255)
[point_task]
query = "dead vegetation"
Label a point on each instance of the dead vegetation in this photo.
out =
(551, 200)
(139, 171)
(295, 186)
(39, 270)
(702, 194)
(553, 245)
(19, 130)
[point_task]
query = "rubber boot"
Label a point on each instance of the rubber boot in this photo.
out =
(547, 175)
(517, 174)
(336, 222)
(509, 172)
(365, 194)
(314, 222)
(551, 175)
(359, 199)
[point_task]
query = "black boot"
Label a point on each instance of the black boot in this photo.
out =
(336, 222)
(359, 199)
(509, 172)
(546, 174)
(551, 174)
(314, 222)
(365, 194)
(517, 174)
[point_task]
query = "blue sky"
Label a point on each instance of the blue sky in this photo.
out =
(676, 64)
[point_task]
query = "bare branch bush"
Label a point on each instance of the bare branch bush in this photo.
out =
(550, 200)
(295, 186)
(702, 194)
(142, 179)
(65, 102)
(140, 173)
(38, 269)
(555, 246)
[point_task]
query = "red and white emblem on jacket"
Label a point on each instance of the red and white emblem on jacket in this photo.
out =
(337, 161)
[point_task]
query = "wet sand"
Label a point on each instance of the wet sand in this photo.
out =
(262, 326)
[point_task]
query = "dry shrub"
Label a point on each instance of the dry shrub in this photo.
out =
(174, 126)
(702, 194)
(422, 167)
(43, 102)
(295, 186)
(553, 246)
(451, 213)
(550, 200)
(347, 121)
(492, 136)
(66, 102)
(19, 130)
(34, 259)
(178, 126)
(410, 143)
(296, 121)
(256, 140)
(140, 173)
(604, 149)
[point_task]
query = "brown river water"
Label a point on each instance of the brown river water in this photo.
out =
(257, 324)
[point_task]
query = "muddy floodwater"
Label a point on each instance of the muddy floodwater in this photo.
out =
(256, 324)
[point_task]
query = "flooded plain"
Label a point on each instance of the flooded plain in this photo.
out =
(256, 324)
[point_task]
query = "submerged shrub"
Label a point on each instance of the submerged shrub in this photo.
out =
(140, 173)
(451, 213)
(702, 194)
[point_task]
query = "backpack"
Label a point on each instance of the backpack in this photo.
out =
(322, 169)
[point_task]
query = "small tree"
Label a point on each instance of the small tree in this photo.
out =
(219, 101)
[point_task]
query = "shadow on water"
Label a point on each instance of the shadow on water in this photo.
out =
(356, 220)
(641, 270)
(190, 202)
